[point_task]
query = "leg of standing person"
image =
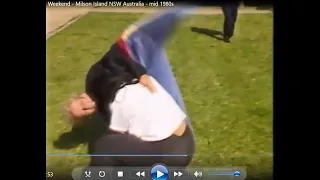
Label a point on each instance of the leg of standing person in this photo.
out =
(234, 15)
(227, 24)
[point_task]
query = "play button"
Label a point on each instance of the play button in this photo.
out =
(159, 172)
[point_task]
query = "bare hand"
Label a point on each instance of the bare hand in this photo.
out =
(80, 106)
(146, 81)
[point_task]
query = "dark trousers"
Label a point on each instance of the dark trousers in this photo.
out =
(123, 144)
(230, 17)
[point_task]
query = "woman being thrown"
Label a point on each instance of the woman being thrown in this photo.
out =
(146, 113)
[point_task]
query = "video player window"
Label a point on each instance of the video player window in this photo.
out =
(168, 91)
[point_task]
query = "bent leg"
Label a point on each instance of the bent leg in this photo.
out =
(124, 150)
(160, 26)
(145, 40)
(161, 70)
(119, 148)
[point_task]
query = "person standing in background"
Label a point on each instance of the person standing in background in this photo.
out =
(230, 11)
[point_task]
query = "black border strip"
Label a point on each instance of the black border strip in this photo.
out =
(26, 51)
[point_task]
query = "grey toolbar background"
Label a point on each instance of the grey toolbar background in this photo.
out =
(175, 173)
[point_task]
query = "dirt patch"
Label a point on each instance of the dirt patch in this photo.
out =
(57, 18)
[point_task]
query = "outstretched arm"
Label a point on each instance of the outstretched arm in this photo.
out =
(141, 74)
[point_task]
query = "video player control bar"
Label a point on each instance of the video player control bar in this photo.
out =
(159, 172)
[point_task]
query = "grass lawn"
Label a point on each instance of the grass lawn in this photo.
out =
(228, 95)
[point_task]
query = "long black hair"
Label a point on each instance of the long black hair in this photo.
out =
(111, 74)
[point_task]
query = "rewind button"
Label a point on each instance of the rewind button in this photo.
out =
(138, 173)
(141, 174)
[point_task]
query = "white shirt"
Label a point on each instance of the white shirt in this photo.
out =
(149, 116)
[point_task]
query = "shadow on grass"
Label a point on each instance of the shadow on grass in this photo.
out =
(92, 129)
(209, 32)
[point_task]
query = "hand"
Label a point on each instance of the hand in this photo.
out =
(146, 81)
(80, 106)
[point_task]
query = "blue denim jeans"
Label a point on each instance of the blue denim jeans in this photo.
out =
(145, 41)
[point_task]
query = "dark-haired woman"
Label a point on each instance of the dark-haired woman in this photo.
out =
(148, 125)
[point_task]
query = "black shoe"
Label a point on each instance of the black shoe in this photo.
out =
(226, 39)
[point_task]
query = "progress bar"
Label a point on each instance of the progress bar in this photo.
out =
(116, 155)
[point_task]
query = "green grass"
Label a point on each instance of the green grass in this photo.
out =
(228, 95)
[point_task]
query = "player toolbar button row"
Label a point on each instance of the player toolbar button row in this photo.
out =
(159, 172)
